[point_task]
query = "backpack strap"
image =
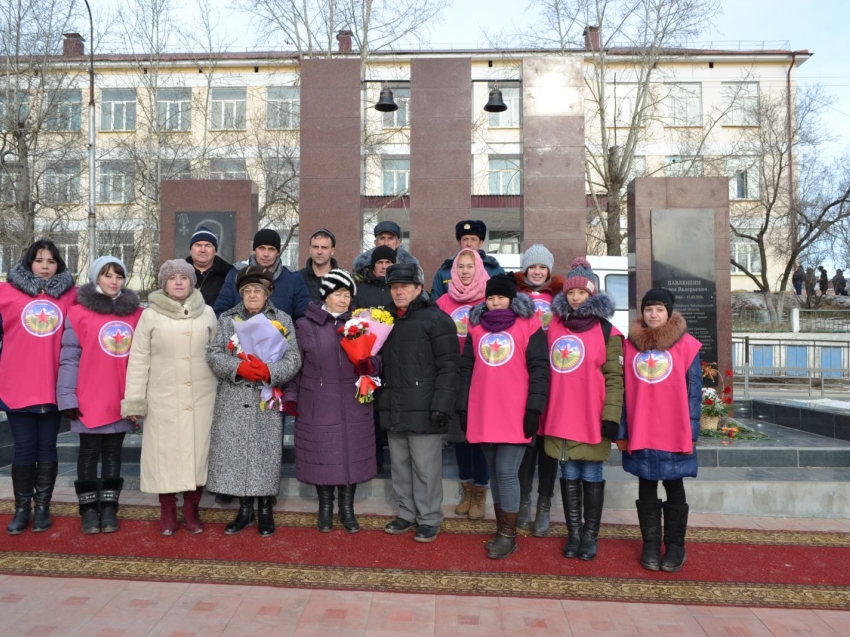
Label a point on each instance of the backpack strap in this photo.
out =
(606, 326)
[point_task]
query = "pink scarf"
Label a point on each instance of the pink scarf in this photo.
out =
(475, 290)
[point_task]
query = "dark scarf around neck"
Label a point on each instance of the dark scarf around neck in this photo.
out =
(498, 320)
(579, 324)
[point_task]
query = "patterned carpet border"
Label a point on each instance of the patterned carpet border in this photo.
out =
(433, 582)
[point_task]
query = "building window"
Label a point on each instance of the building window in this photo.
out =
(401, 117)
(746, 252)
(283, 108)
(743, 175)
(118, 244)
(227, 111)
(740, 104)
(505, 176)
(282, 180)
(510, 118)
(115, 184)
(174, 109)
(620, 105)
(684, 104)
(11, 189)
(175, 169)
(13, 117)
(228, 169)
(10, 254)
(118, 109)
(62, 182)
(64, 110)
(69, 249)
(683, 167)
(396, 173)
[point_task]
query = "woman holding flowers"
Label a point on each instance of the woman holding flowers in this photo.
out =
(334, 431)
(247, 429)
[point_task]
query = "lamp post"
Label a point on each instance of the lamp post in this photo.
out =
(92, 226)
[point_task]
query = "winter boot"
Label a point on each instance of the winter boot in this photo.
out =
(571, 495)
(523, 522)
(479, 503)
(244, 517)
(541, 519)
(168, 513)
(265, 516)
(326, 508)
(675, 527)
(594, 498)
(45, 480)
(505, 542)
(191, 500)
(649, 517)
(498, 509)
(463, 506)
(110, 489)
(346, 507)
(87, 497)
(23, 485)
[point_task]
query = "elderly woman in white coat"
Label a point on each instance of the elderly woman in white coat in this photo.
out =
(170, 385)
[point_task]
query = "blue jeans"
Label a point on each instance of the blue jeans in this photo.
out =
(471, 464)
(34, 435)
(581, 470)
(504, 461)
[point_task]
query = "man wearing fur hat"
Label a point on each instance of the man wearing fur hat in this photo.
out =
(210, 269)
(387, 233)
(470, 234)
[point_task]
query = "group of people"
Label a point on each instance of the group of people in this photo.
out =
(520, 371)
(818, 282)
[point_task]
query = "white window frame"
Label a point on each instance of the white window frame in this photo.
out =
(65, 111)
(228, 108)
(740, 103)
(121, 244)
(174, 109)
(744, 178)
(228, 168)
(745, 251)
(116, 182)
(283, 108)
(684, 104)
(22, 101)
(512, 97)
(62, 182)
(118, 109)
(504, 175)
(623, 96)
(395, 176)
(290, 169)
(399, 118)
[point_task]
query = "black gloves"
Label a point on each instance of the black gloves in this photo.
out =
(439, 418)
(530, 423)
(72, 414)
(461, 416)
(610, 429)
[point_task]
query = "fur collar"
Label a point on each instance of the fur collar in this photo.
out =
(24, 280)
(364, 261)
(522, 306)
(97, 302)
(601, 306)
(191, 308)
(660, 338)
(553, 286)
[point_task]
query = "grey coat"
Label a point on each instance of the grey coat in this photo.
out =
(245, 446)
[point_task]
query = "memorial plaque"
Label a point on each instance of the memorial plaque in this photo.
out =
(221, 224)
(683, 261)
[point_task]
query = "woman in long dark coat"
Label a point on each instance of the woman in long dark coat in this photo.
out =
(334, 433)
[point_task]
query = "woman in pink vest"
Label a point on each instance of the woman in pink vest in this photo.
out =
(92, 372)
(585, 401)
(660, 423)
(466, 289)
(504, 383)
(33, 306)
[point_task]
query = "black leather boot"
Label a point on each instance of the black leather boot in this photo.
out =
(571, 495)
(23, 485)
(675, 528)
(110, 490)
(244, 517)
(326, 508)
(265, 516)
(524, 515)
(541, 518)
(346, 508)
(594, 498)
(649, 517)
(45, 480)
(87, 497)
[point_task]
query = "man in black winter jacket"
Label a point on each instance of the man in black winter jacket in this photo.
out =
(420, 380)
(374, 291)
(210, 269)
(321, 261)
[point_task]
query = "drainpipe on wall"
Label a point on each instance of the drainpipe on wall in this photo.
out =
(790, 148)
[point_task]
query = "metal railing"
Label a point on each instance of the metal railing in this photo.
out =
(754, 320)
(825, 321)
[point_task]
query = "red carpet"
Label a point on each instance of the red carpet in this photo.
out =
(723, 566)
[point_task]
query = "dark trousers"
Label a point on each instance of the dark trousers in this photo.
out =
(34, 435)
(471, 464)
(103, 447)
(547, 470)
(675, 489)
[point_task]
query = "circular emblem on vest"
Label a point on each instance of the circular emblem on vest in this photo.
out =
(566, 354)
(496, 349)
(653, 366)
(41, 318)
(461, 318)
(543, 311)
(115, 338)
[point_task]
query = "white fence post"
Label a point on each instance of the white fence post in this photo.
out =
(795, 320)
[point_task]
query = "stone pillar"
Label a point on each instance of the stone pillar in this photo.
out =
(440, 157)
(554, 202)
(330, 155)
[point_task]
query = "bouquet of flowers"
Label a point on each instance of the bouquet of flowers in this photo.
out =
(716, 402)
(266, 340)
(363, 336)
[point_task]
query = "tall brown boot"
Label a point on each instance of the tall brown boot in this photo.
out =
(498, 509)
(505, 542)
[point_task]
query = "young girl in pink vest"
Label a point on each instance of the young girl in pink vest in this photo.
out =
(466, 290)
(504, 382)
(33, 306)
(660, 425)
(92, 372)
(585, 401)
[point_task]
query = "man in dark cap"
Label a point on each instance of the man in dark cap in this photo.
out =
(420, 380)
(387, 233)
(290, 292)
(470, 234)
(374, 291)
(210, 269)
(321, 261)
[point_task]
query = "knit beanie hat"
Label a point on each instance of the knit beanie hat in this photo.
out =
(204, 234)
(383, 253)
(255, 274)
(175, 266)
(537, 255)
(267, 237)
(581, 276)
(100, 263)
(337, 279)
(501, 285)
(659, 295)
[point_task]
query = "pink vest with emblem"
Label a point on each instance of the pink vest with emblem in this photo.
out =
(576, 383)
(105, 343)
(459, 312)
(32, 340)
(657, 396)
(499, 386)
(542, 306)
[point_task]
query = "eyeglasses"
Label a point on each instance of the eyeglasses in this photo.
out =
(253, 290)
